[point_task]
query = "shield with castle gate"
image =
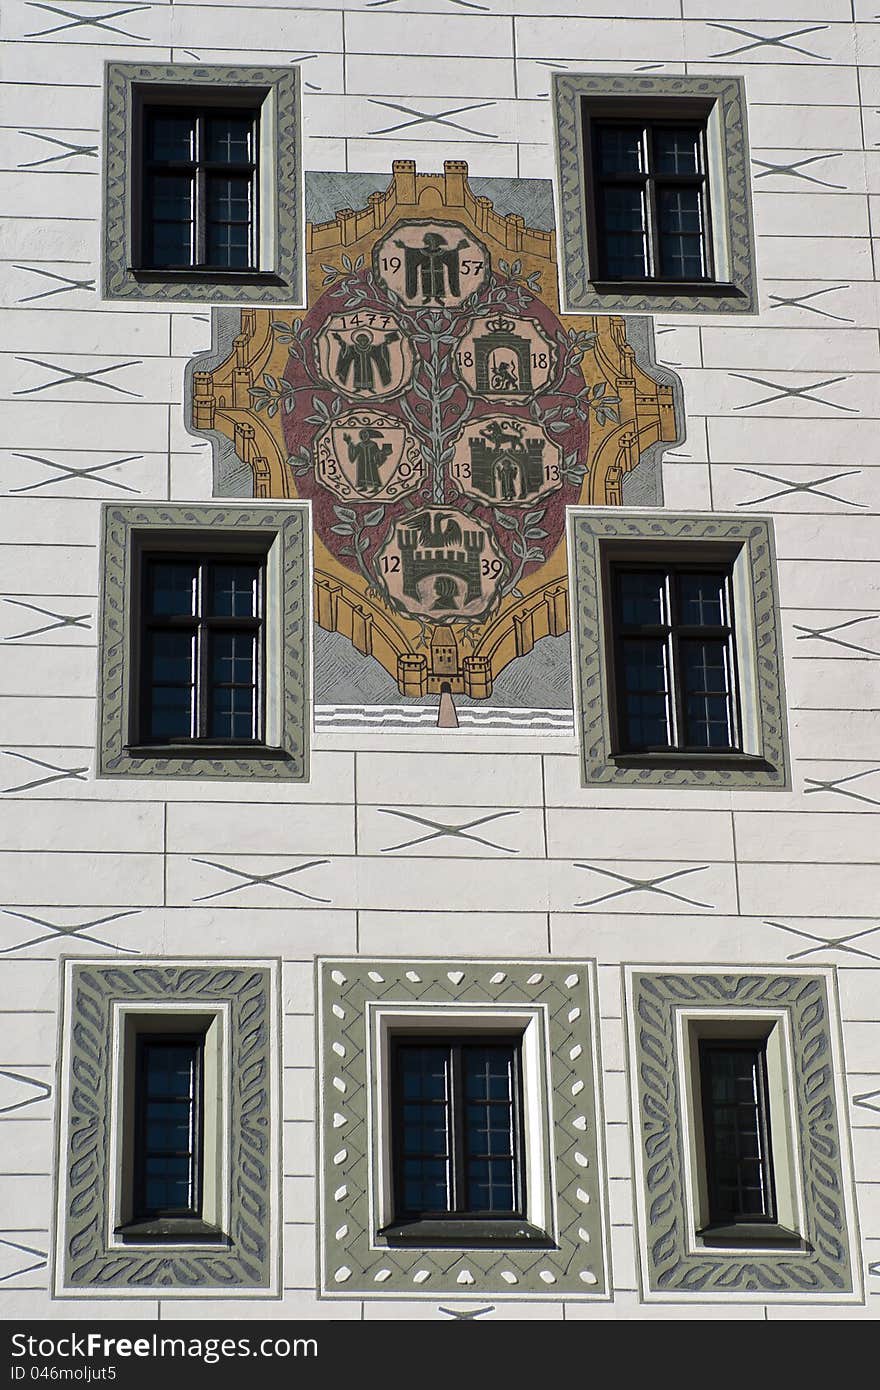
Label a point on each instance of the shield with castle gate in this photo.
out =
(440, 413)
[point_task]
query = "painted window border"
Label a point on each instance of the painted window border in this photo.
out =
(762, 685)
(89, 1263)
(288, 655)
(352, 1261)
(283, 282)
(733, 223)
(670, 1269)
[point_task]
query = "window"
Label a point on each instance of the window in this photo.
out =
(202, 184)
(169, 1166)
(168, 1154)
(652, 200)
(460, 1152)
(675, 666)
(204, 642)
(736, 1130)
(740, 1191)
(654, 193)
(677, 647)
(457, 1135)
(202, 648)
(199, 189)
(168, 1127)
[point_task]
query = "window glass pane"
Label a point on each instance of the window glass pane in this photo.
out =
(232, 658)
(490, 1187)
(424, 1137)
(232, 714)
(646, 694)
(229, 198)
(676, 150)
(170, 660)
(642, 598)
(425, 1185)
(706, 674)
(233, 684)
(229, 221)
(624, 243)
(169, 219)
(233, 591)
(737, 1133)
(170, 137)
(172, 588)
(229, 139)
(167, 1101)
(680, 215)
(170, 197)
(701, 600)
(620, 149)
(171, 245)
(488, 1128)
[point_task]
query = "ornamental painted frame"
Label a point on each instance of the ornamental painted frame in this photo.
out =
(670, 1270)
(352, 1263)
(737, 230)
(282, 283)
(289, 655)
(589, 529)
(248, 1261)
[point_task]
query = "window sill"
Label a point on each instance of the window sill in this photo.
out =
(747, 762)
(260, 751)
(172, 1228)
(455, 1232)
(196, 276)
(756, 1235)
(713, 288)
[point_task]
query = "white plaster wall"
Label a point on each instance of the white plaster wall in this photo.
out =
(112, 866)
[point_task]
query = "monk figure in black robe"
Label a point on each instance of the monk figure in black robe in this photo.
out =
(368, 457)
(362, 356)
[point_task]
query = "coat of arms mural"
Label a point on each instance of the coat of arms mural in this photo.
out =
(440, 415)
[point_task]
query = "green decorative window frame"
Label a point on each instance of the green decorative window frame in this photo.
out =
(130, 529)
(674, 1265)
(593, 533)
(91, 1257)
(558, 998)
(277, 92)
(732, 232)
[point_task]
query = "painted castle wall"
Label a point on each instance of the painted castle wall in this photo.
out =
(450, 844)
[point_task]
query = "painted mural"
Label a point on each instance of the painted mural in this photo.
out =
(440, 414)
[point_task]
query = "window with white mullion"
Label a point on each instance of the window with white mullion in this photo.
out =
(199, 195)
(675, 666)
(736, 1122)
(653, 200)
(457, 1130)
(203, 649)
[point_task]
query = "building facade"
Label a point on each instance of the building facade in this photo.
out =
(440, 613)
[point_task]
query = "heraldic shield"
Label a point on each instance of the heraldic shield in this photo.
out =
(440, 414)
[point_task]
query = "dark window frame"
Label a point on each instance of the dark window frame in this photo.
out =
(652, 183)
(665, 562)
(650, 114)
(148, 98)
(199, 168)
(203, 626)
(455, 1048)
(719, 1212)
(459, 1225)
(142, 1210)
